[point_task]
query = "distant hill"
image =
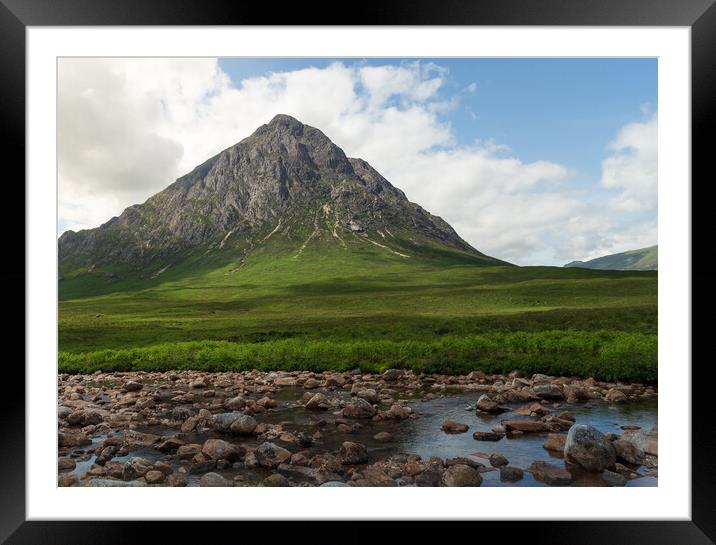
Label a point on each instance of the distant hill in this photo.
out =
(644, 259)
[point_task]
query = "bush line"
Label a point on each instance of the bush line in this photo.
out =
(604, 355)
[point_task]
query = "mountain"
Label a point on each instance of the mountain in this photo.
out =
(644, 259)
(284, 190)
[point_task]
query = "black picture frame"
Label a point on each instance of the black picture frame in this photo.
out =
(16, 15)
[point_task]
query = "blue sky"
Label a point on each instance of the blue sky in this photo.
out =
(565, 110)
(536, 161)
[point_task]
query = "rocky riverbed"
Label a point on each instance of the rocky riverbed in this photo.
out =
(189, 428)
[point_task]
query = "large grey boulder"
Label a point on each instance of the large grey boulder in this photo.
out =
(589, 448)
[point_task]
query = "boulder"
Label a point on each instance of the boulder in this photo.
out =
(392, 375)
(587, 447)
(398, 412)
(383, 437)
(243, 425)
(549, 474)
(199, 383)
(163, 466)
(615, 396)
(451, 426)
(135, 467)
(335, 381)
(154, 477)
(429, 477)
(375, 475)
(487, 436)
(464, 461)
(214, 480)
(276, 480)
(370, 395)
(628, 452)
(461, 475)
(132, 386)
(187, 452)
(190, 424)
(549, 391)
(539, 378)
(498, 460)
(67, 479)
(223, 421)
(353, 453)
(359, 408)
(511, 474)
(177, 479)
(65, 464)
(271, 455)
(86, 417)
(218, 449)
(267, 403)
(318, 402)
(555, 442)
(110, 483)
(237, 403)
(613, 479)
(575, 393)
(648, 441)
(486, 404)
(171, 444)
(525, 426)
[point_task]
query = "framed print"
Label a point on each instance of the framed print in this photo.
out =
(431, 264)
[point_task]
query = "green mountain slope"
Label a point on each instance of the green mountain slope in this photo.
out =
(322, 313)
(644, 259)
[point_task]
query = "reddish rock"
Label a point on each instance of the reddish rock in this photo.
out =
(525, 426)
(451, 426)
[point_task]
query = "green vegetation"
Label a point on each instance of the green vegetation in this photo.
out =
(644, 259)
(332, 308)
(607, 355)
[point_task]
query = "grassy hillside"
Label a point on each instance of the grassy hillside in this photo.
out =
(331, 308)
(644, 259)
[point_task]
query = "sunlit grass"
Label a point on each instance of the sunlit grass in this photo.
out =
(336, 309)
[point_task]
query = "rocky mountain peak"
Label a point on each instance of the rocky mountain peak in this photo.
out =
(291, 140)
(288, 181)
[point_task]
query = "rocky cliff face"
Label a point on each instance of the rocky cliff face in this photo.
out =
(287, 180)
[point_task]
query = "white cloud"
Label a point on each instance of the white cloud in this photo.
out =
(631, 167)
(129, 127)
